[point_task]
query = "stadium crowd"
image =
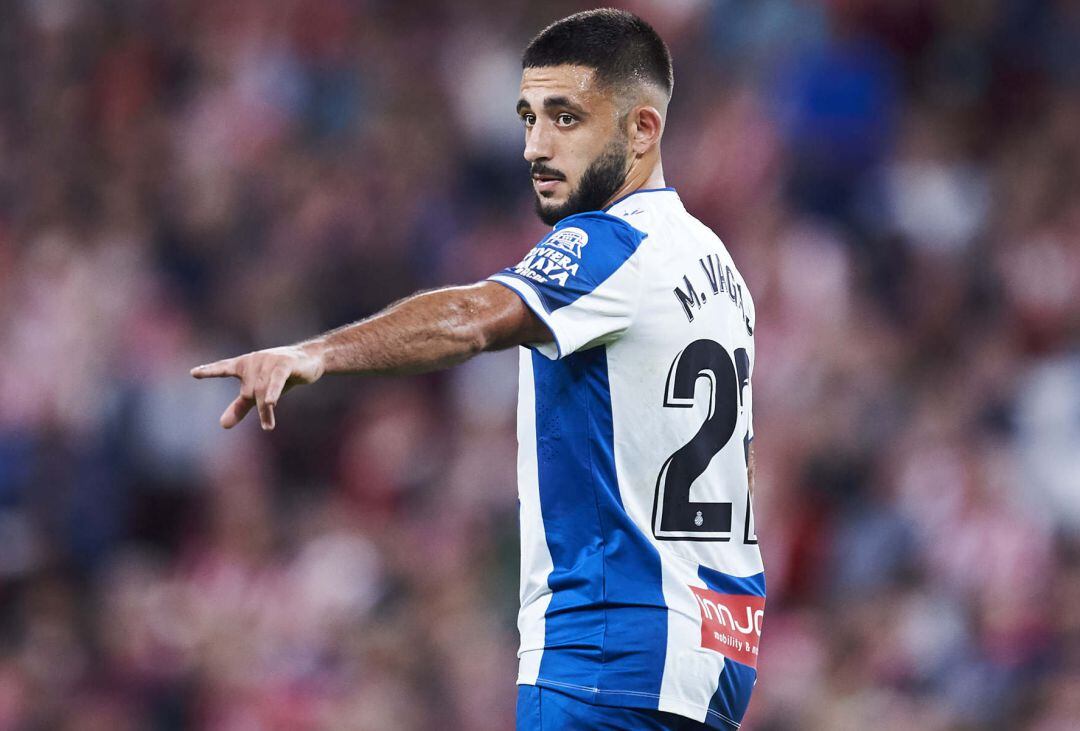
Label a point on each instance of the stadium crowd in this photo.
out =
(183, 180)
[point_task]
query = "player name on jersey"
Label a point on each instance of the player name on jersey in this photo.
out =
(719, 279)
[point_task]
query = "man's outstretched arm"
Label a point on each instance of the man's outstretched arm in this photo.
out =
(424, 332)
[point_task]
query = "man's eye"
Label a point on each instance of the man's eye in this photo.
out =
(528, 119)
(565, 119)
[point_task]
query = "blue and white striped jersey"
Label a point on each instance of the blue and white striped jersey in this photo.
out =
(641, 579)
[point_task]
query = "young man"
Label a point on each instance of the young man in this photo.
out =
(642, 589)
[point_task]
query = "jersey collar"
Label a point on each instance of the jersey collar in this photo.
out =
(638, 192)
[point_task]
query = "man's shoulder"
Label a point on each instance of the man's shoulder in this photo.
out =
(605, 235)
(599, 223)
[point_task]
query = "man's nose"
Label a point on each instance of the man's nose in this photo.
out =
(538, 143)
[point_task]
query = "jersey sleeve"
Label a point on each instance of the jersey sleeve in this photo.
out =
(583, 281)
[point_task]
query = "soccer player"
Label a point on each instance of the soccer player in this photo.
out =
(642, 589)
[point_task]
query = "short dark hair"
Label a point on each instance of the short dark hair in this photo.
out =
(622, 48)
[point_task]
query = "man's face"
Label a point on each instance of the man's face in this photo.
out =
(577, 150)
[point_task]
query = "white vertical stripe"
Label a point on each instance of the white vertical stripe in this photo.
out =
(536, 564)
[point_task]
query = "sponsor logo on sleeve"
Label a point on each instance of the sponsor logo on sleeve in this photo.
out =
(731, 624)
(556, 258)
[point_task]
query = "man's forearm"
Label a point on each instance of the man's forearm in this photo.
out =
(421, 333)
(428, 331)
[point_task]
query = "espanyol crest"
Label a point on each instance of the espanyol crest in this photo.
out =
(571, 240)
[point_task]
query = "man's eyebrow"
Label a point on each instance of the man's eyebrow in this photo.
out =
(553, 102)
(562, 102)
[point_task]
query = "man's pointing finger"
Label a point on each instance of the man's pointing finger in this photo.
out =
(217, 369)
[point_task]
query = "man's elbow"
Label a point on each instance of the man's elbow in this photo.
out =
(474, 340)
(469, 332)
(490, 317)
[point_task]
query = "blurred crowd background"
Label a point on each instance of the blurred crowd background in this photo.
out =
(184, 180)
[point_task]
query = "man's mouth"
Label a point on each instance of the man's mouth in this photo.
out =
(546, 183)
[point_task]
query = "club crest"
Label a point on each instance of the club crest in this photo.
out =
(571, 240)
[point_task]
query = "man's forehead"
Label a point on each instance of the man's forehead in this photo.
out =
(575, 82)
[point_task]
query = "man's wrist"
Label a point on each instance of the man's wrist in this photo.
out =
(317, 349)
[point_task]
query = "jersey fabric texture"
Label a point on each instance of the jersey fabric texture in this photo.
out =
(542, 709)
(641, 580)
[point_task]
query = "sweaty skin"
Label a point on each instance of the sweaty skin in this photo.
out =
(425, 332)
(569, 119)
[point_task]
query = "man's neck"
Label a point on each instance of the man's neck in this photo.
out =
(640, 177)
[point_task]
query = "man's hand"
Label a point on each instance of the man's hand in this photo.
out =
(264, 375)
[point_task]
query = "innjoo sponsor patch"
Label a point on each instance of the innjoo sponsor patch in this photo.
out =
(731, 624)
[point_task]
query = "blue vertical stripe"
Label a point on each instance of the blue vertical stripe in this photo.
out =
(606, 625)
(732, 696)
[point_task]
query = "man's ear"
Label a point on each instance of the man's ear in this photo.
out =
(645, 129)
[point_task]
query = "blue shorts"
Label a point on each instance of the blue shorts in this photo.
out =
(543, 709)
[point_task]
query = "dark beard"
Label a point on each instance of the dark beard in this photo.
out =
(598, 184)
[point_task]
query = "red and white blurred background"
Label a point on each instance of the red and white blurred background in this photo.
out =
(182, 180)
